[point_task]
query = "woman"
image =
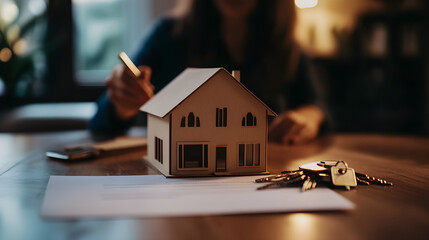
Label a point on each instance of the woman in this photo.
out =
(253, 36)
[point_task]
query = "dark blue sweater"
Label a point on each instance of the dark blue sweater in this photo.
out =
(166, 54)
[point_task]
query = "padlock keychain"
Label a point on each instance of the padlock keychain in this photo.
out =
(343, 176)
(342, 171)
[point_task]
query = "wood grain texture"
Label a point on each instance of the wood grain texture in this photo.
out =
(398, 212)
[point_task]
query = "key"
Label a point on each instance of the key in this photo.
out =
(306, 185)
(365, 178)
(285, 181)
(308, 178)
(361, 178)
(278, 177)
(311, 174)
(309, 183)
(335, 172)
(340, 178)
(324, 177)
(290, 171)
(269, 178)
(342, 175)
(321, 173)
(362, 181)
(313, 184)
(313, 167)
(327, 163)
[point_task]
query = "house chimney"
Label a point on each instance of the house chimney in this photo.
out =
(236, 74)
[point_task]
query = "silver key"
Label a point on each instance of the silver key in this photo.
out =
(287, 180)
(335, 172)
(279, 177)
(327, 163)
(313, 167)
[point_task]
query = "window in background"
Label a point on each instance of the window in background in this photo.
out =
(22, 48)
(103, 28)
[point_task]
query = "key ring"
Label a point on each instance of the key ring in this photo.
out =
(342, 171)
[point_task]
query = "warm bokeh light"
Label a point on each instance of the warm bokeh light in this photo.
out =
(301, 226)
(8, 11)
(5, 54)
(20, 47)
(306, 3)
(320, 29)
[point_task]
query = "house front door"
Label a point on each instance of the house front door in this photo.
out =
(221, 159)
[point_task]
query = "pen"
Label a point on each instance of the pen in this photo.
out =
(129, 64)
(136, 72)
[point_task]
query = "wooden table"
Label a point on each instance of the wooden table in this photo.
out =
(398, 212)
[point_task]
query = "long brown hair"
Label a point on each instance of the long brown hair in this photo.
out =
(273, 58)
(271, 25)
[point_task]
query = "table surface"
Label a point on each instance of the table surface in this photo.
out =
(398, 212)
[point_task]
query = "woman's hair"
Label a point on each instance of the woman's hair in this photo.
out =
(270, 29)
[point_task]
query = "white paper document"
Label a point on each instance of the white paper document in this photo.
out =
(157, 196)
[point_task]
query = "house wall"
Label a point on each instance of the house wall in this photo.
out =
(220, 92)
(159, 127)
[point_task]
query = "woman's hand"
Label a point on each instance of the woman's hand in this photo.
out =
(127, 92)
(296, 126)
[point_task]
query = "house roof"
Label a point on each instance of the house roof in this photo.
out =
(183, 86)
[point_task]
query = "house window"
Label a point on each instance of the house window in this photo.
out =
(183, 122)
(248, 120)
(249, 154)
(193, 156)
(158, 149)
(192, 121)
(221, 117)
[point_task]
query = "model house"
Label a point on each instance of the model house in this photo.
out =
(205, 122)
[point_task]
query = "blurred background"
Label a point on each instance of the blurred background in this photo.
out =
(370, 56)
